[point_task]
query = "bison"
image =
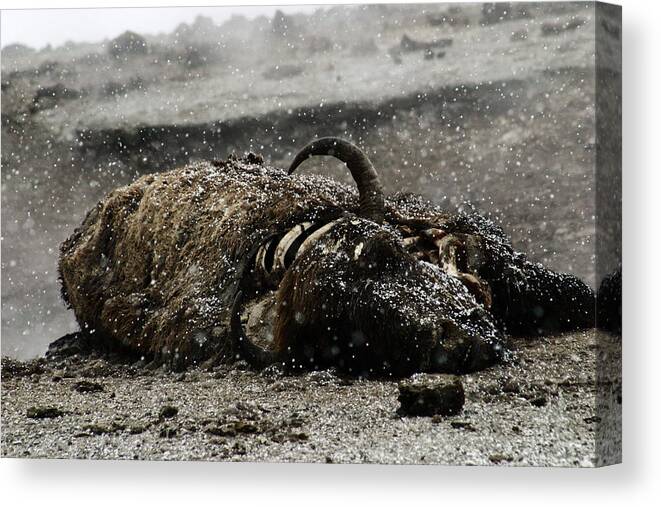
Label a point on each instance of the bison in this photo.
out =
(226, 259)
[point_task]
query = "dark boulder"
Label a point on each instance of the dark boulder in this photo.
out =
(428, 396)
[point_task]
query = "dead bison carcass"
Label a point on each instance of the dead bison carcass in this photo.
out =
(224, 259)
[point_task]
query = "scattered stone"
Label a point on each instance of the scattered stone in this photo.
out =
(97, 368)
(290, 437)
(86, 386)
(539, 401)
(12, 368)
(462, 425)
(511, 386)
(493, 389)
(428, 396)
(239, 449)
(44, 412)
(240, 365)
(168, 412)
(245, 427)
(223, 430)
(297, 437)
(500, 458)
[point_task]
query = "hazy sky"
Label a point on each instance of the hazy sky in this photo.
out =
(38, 27)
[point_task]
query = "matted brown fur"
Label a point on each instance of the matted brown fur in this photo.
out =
(152, 264)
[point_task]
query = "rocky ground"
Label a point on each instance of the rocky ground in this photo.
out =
(541, 410)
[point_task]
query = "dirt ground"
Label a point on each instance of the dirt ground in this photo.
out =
(541, 410)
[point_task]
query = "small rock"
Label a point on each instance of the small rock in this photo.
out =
(11, 368)
(241, 365)
(245, 427)
(168, 412)
(239, 449)
(223, 430)
(462, 425)
(540, 401)
(97, 368)
(493, 389)
(86, 386)
(428, 396)
(499, 458)
(96, 429)
(511, 386)
(297, 437)
(44, 412)
(290, 437)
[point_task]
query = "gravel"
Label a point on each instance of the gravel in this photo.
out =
(230, 414)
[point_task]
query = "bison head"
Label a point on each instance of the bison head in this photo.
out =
(356, 299)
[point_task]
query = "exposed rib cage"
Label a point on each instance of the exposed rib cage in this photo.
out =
(277, 254)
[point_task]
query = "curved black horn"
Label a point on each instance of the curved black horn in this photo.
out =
(256, 357)
(370, 191)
